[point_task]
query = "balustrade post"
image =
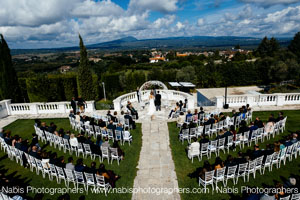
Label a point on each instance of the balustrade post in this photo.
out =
(7, 105)
(219, 101)
(280, 99)
(33, 108)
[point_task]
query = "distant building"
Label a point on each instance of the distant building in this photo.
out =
(181, 54)
(64, 69)
(156, 59)
(95, 60)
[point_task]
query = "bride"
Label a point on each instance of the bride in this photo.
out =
(151, 105)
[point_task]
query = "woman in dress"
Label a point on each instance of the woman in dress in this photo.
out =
(151, 105)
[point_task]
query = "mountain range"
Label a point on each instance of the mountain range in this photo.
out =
(194, 42)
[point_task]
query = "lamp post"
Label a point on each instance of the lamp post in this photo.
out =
(226, 105)
(104, 91)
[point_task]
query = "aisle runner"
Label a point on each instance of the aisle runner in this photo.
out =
(156, 168)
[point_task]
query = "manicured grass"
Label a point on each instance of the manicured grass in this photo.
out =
(19, 175)
(184, 166)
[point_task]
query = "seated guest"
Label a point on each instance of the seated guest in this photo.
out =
(294, 138)
(111, 126)
(280, 117)
(99, 141)
(78, 117)
(70, 164)
(222, 117)
(218, 163)
(204, 139)
(34, 152)
(101, 123)
(201, 114)
(240, 158)
(132, 110)
(14, 140)
(195, 115)
(180, 104)
(194, 145)
(181, 118)
(211, 120)
(79, 167)
(230, 161)
(43, 126)
(269, 127)
(189, 116)
(288, 141)
(131, 121)
(252, 128)
(183, 127)
(109, 175)
(105, 143)
(244, 127)
(7, 137)
(45, 160)
(256, 153)
(115, 117)
(53, 159)
(109, 115)
(67, 135)
(72, 114)
(18, 143)
(120, 152)
(271, 118)
(81, 138)
(73, 141)
(177, 107)
(258, 123)
(206, 168)
(61, 162)
(35, 140)
(52, 127)
(91, 169)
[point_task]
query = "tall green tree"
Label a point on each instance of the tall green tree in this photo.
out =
(268, 47)
(295, 44)
(9, 85)
(84, 75)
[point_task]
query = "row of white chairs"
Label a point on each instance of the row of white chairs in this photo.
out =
(4, 196)
(246, 169)
(82, 148)
(69, 176)
(214, 146)
(95, 130)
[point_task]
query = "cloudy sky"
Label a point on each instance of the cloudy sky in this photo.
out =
(56, 23)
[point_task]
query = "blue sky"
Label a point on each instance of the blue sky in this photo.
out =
(56, 23)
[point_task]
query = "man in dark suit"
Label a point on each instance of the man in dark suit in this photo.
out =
(138, 95)
(157, 101)
(73, 104)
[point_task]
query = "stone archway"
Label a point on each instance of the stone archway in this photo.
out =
(148, 84)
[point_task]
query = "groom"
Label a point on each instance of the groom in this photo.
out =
(157, 101)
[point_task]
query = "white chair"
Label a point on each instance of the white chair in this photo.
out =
(220, 176)
(238, 140)
(208, 179)
(275, 160)
(221, 145)
(110, 134)
(193, 152)
(91, 131)
(285, 198)
(267, 163)
(79, 149)
(60, 174)
(207, 129)
(229, 142)
(281, 156)
(251, 169)
(114, 155)
(53, 172)
(213, 129)
(69, 178)
(204, 150)
(289, 152)
(118, 136)
(192, 133)
(127, 137)
(242, 171)
(97, 130)
(88, 151)
(245, 138)
(39, 167)
(230, 174)
(259, 164)
(220, 126)
(199, 131)
(260, 135)
(295, 196)
(100, 183)
(104, 154)
(184, 135)
(90, 180)
(212, 147)
(253, 137)
(79, 179)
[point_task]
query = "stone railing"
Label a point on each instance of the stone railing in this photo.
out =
(8, 108)
(277, 99)
(166, 97)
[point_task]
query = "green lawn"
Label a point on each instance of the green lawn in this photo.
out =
(20, 176)
(184, 166)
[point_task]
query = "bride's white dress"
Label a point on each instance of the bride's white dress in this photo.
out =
(151, 106)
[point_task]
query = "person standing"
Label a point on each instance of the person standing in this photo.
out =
(73, 104)
(138, 94)
(158, 101)
(80, 103)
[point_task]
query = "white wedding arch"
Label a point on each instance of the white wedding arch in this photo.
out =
(148, 84)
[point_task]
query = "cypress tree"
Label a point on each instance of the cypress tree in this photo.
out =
(295, 45)
(84, 75)
(9, 85)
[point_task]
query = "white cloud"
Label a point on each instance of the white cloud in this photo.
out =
(200, 21)
(164, 22)
(164, 6)
(267, 3)
(179, 25)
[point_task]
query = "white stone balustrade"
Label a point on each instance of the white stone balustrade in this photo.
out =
(8, 108)
(166, 95)
(277, 99)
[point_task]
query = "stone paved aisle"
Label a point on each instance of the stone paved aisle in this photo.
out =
(156, 167)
